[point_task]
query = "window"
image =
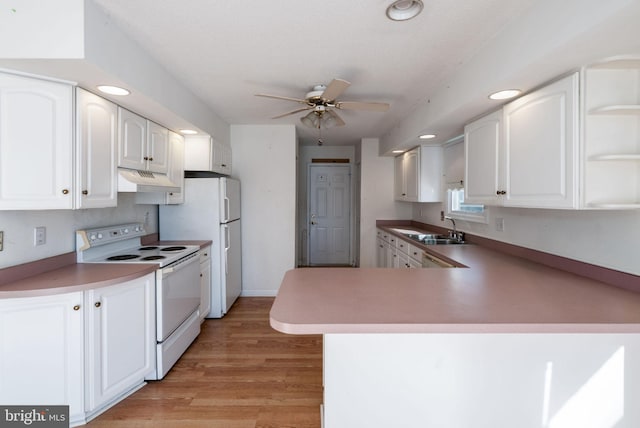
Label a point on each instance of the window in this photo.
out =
(458, 209)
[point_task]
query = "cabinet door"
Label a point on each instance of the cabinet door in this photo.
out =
(96, 151)
(226, 160)
(176, 167)
(541, 138)
(198, 154)
(120, 334)
(157, 148)
(205, 282)
(36, 144)
(132, 145)
(41, 354)
(398, 178)
(411, 167)
(482, 148)
(381, 253)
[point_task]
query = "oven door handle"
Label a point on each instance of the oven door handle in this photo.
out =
(180, 264)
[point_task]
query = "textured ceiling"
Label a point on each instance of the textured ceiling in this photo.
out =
(226, 51)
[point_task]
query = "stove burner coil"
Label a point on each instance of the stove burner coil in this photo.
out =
(147, 248)
(123, 257)
(177, 248)
(153, 258)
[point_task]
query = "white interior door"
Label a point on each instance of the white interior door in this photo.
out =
(329, 217)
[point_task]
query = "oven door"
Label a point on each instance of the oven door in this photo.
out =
(178, 294)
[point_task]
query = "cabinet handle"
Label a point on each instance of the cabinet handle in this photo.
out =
(146, 158)
(65, 191)
(76, 308)
(224, 165)
(206, 254)
(97, 304)
(150, 159)
(85, 192)
(200, 275)
(404, 194)
(501, 192)
(170, 193)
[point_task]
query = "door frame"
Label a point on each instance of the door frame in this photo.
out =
(352, 261)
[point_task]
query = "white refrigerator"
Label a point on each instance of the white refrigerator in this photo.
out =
(211, 211)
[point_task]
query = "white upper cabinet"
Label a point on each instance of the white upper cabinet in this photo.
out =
(418, 175)
(482, 147)
(144, 145)
(157, 148)
(526, 155)
(611, 146)
(541, 139)
(203, 153)
(96, 151)
(36, 143)
(176, 167)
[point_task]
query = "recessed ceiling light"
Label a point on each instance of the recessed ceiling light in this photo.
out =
(401, 10)
(188, 132)
(397, 151)
(427, 136)
(113, 90)
(505, 95)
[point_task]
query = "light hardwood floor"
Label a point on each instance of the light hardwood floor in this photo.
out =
(239, 373)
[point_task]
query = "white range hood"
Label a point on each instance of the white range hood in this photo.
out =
(131, 180)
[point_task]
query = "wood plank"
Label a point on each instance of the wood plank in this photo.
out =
(239, 373)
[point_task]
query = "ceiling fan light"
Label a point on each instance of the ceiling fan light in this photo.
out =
(312, 120)
(402, 10)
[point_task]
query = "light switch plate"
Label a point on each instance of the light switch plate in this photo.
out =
(500, 224)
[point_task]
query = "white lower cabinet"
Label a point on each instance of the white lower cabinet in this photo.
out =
(205, 282)
(41, 352)
(87, 350)
(120, 340)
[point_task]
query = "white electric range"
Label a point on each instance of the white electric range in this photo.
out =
(177, 283)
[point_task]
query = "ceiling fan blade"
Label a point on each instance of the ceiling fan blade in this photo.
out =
(291, 112)
(367, 106)
(337, 120)
(278, 97)
(334, 89)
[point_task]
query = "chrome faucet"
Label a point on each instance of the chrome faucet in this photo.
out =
(452, 234)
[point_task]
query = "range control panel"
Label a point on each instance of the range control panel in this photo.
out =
(88, 238)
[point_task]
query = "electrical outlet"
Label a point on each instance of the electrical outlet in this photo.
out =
(499, 224)
(441, 215)
(39, 235)
(1, 239)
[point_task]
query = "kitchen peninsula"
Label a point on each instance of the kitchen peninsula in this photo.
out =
(501, 342)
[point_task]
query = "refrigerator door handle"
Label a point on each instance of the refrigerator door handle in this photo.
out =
(227, 240)
(226, 210)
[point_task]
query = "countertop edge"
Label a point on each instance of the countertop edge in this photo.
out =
(533, 328)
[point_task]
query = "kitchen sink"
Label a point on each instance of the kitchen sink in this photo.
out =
(428, 238)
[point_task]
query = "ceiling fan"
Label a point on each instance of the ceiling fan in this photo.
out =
(321, 101)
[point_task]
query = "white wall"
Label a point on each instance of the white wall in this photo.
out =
(264, 159)
(376, 198)
(61, 226)
(42, 29)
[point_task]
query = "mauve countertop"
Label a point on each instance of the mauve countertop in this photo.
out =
(75, 277)
(495, 293)
(60, 274)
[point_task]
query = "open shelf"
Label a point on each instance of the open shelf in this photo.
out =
(618, 63)
(617, 110)
(611, 206)
(616, 157)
